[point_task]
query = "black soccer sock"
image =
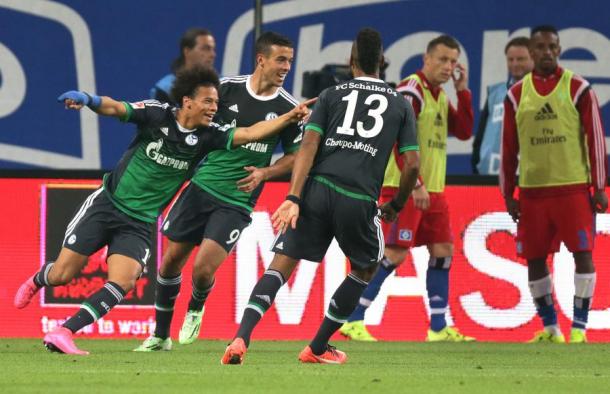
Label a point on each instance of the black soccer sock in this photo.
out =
(341, 305)
(96, 306)
(165, 298)
(41, 278)
(261, 298)
(199, 295)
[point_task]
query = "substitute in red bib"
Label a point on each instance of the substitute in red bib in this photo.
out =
(553, 131)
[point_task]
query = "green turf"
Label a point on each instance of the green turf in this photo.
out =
(386, 367)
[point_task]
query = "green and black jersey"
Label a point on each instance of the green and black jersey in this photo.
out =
(240, 107)
(160, 158)
(360, 121)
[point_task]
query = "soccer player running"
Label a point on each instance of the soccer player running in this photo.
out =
(123, 212)
(335, 184)
(553, 132)
(425, 219)
(215, 207)
(486, 145)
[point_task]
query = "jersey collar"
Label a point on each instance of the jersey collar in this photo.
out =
(183, 129)
(555, 75)
(369, 79)
(258, 97)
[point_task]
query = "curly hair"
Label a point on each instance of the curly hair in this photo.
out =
(189, 80)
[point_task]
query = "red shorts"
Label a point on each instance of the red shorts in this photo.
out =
(546, 221)
(415, 227)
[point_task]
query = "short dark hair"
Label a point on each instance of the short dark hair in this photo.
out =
(544, 29)
(517, 42)
(445, 40)
(188, 40)
(189, 80)
(269, 38)
(369, 50)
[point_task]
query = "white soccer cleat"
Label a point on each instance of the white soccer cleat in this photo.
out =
(190, 327)
(153, 344)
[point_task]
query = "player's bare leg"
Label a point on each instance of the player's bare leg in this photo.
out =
(55, 273)
(260, 301)
(209, 257)
(584, 285)
(541, 288)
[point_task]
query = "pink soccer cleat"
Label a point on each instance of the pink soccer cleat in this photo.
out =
(60, 340)
(25, 293)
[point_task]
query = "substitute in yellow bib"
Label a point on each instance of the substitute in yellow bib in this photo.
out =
(425, 219)
(553, 131)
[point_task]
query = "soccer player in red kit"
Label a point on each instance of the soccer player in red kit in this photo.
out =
(553, 130)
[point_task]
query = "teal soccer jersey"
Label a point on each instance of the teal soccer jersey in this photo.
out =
(160, 158)
(360, 121)
(240, 107)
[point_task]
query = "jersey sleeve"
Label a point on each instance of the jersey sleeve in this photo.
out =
(461, 120)
(407, 135)
(318, 119)
(219, 137)
(291, 137)
(145, 113)
(412, 92)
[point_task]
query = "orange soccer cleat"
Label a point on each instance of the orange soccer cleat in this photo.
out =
(330, 356)
(235, 352)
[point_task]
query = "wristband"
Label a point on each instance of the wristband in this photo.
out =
(94, 101)
(395, 206)
(293, 198)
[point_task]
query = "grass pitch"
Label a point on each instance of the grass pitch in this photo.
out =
(386, 367)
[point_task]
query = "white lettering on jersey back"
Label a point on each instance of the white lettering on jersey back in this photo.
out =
(354, 145)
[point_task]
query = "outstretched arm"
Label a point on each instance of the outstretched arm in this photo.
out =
(264, 129)
(107, 106)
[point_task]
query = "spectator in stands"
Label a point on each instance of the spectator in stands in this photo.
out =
(197, 48)
(486, 146)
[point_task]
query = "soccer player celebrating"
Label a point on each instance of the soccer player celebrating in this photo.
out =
(122, 213)
(335, 184)
(425, 220)
(553, 131)
(215, 208)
